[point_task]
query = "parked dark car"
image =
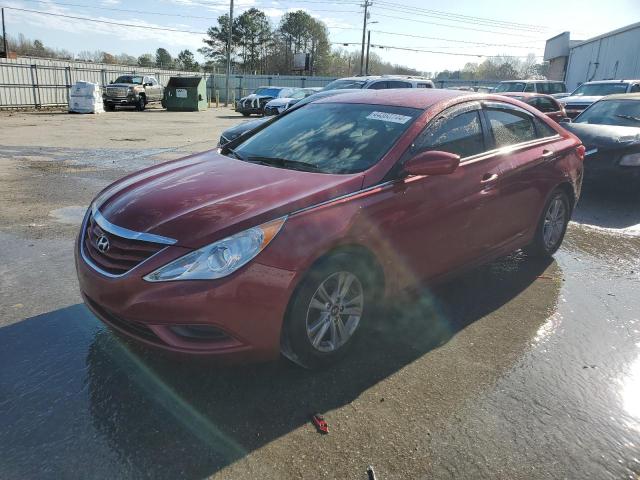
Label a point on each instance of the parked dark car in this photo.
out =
(246, 126)
(283, 241)
(545, 103)
(254, 104)
(591, 92)
(610, 132)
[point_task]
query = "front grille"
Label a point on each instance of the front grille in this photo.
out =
(122, 255)
(117, 91)
(134, 328)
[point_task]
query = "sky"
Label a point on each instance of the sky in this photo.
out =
(447, 34)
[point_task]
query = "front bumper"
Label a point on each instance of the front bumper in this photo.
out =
(603, 167)
(247, 308)
(128, 100)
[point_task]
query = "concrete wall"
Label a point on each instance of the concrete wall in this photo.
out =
(615, 55)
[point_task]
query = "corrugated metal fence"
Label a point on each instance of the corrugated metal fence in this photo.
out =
(35, 82)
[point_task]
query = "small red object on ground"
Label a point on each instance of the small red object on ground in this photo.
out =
(320, 423)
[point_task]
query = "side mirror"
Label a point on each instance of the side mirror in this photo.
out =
(432, 163)
(147, 84)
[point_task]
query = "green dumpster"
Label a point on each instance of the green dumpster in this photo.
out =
(185, 94)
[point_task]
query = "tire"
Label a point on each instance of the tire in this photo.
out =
(140, 104)
(245, 114)
(109, 107)
(321, 325)
(552, 226)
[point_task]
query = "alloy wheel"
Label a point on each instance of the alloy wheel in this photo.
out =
(334, 311)
(554, 222)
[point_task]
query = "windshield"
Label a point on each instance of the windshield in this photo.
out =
(599, 89)
(329, 137)
(129, 79)
(622, 113)
(510, 87)
(339, 84)
(267, 92)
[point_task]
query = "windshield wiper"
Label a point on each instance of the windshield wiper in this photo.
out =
(234, 153)
(284, 163)
(629, 117)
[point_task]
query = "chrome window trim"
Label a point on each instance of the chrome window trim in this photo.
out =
(107, 226)
(509, 149)
(87, 260)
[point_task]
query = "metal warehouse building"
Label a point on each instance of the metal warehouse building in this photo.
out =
(613, 55)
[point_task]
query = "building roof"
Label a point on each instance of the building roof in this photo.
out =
(608, 34)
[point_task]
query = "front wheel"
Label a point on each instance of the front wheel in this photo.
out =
(140, 104)
(326, 311)
(552, 226)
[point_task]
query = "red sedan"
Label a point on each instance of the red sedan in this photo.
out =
(545, 103)
(282, 241)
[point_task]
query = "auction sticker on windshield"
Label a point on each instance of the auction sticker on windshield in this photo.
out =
(388, 117)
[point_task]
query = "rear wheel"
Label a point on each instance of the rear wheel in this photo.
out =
(326, 311)
(245, 114)
(552, 226)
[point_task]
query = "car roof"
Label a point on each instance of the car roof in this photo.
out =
(609, 81)
(400, 97)
(524, 94)
(532, 81)
(623, 96)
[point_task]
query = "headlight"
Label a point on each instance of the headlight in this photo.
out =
(631, 160)
(221, 258)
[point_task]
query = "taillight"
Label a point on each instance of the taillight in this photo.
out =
(580, 150)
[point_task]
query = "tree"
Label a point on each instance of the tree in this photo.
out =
(163, 58)
(254, 31)
(216, 42)
(146, 60)
(126, 59)
(39, 48)
(108, 58)
(187, 61)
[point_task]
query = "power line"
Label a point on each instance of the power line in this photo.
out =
(419, 50)
(454, 26)
(451, 40)
(459, 17)
(105, 21)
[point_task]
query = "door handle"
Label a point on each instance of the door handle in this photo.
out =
(547, 153)
(489, 177)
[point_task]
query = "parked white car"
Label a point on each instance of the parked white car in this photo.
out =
(280, 104)
(381, 82)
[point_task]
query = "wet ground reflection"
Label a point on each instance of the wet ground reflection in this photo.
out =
(76, 398)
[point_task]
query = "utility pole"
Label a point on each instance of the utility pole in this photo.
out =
(366, 5)
(229, 40)
(4, 37)
(366, 69)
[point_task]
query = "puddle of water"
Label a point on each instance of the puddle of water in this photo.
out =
(72, 215)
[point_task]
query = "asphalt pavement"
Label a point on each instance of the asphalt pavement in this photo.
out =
(520, 369)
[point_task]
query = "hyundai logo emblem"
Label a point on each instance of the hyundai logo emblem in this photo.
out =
(103, 244)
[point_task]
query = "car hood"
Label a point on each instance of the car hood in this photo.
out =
(233, 132)
(208, 196)
(279, 102)
(580, 99)
(604, 137)
(124, 85)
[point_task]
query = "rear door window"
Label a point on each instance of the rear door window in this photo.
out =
(460, 134)
(510, 126)
(379, 85)
(398, 84)
(529, 87)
